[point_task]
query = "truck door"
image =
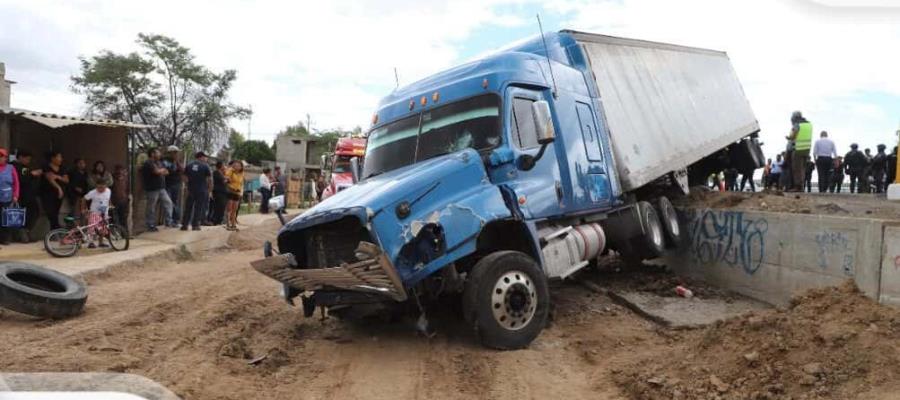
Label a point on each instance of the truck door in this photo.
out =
(540, 187)
(595, 179)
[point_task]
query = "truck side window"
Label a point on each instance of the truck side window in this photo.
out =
(523, 133)
(589, 131)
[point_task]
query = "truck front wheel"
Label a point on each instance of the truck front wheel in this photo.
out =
(507, 300)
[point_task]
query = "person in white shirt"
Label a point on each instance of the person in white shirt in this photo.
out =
(824, 153)
(265, 189)
(99, 209)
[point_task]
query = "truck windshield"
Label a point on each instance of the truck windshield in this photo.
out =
(474, 123)
(342, 164)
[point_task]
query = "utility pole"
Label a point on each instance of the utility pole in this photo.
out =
(308, 127)
(249, 121)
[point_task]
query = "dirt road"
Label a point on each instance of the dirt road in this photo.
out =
(195, 325)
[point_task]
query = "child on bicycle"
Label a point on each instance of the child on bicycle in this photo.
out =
(99, 208)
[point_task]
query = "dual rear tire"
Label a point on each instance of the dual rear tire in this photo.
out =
(660, 229)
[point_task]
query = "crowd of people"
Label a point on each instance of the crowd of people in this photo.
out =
(44, 190)
(213, 193)
(793, 169)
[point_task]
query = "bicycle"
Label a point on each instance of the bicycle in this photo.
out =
(65, 242)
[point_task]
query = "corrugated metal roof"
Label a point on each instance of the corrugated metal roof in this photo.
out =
(58, 121)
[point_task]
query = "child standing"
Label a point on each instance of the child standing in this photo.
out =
(99, 208)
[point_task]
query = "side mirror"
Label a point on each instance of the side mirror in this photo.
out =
(354, 169)
(543, 122)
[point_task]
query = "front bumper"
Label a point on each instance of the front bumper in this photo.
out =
(372, 274)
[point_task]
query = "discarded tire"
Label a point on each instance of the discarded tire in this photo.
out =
(41, 292)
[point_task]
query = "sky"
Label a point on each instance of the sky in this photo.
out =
(834, 60)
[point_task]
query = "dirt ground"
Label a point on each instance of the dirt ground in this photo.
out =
(849, 205)
(195, 325)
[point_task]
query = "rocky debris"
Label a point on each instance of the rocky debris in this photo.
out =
(822, 347)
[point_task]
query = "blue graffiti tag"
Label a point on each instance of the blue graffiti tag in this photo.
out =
(835, 242)
(728, 237)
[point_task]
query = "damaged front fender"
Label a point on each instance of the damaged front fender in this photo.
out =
(448, 233)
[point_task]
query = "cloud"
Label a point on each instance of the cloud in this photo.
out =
(825, 65)
(334, 60)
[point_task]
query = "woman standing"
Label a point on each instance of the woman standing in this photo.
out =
(53, 187)
(120, 199)
(234, 177)
(265, 189)
(9, 189)
(99, 174)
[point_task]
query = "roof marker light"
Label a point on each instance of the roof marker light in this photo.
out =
(435, 97)
(412, 104)
(424, 101)
(484, 83)
(374, 118)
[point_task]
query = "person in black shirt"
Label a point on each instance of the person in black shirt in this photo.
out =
(220, 194)
(53, 187)
(153, 175)
(199, 185)
(28, 183)
(173, 183)
(78, 187)
(856, 165)
(879, 167)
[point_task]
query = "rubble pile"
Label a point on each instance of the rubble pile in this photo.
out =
(831, 343)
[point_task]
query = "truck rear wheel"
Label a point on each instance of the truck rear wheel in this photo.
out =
(507, 300)
(649, 244)
(669, 220)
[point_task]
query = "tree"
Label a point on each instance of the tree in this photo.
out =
(235, 139)
(253, 151)
(163, 87)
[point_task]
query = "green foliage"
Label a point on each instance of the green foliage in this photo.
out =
(235, 139)
(253, 151)
(163, 87)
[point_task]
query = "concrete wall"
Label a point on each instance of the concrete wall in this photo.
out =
(299, 154)
(774, 256)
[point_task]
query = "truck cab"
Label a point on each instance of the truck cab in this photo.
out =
(340, 162)
(484, 181)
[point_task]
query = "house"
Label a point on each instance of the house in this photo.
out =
(75, 137)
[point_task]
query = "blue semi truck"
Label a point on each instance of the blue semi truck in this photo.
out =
(489, 179)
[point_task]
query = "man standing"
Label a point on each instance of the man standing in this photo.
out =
(154, 179)
(837, 175)
(856, 165)
(807, 178)
(28, 182)
(801, 140)
(280, 180)
(220, 194)
(173, 183)
(879, 167)
(199, 183)
(775, 173)
(824, 153)
(78, 187)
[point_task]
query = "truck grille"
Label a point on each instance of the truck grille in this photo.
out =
(333, 243)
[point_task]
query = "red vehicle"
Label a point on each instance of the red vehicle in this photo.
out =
(341, 175)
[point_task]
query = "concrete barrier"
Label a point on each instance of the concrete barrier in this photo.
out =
(773, 256)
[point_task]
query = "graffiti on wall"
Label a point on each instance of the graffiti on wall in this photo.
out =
(729, 237)
(835, 245)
